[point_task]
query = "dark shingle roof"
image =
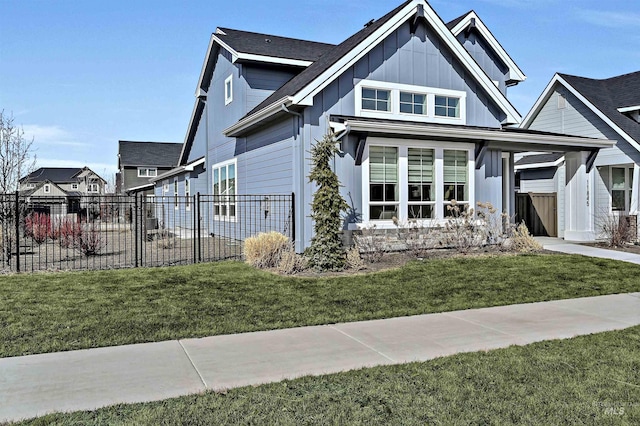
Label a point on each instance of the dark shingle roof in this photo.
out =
(452, 24)
(300, 81)
(53, 174)
(270, 45)
(610, 94)
(155, 154)
(539, 158)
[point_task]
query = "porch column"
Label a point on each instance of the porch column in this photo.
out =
(578, 202)
(635, 192)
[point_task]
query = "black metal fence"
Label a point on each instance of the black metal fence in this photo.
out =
(110, 231)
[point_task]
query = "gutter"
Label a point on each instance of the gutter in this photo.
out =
(266, 112)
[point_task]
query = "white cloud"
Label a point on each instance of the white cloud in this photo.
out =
(609, 19)
(51, 136)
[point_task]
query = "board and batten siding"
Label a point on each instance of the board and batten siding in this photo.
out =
(489, 180)
(486, 58)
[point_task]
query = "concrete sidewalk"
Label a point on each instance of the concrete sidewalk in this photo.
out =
(568, 247)
(81, 380)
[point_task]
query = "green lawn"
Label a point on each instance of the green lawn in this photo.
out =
(64, 311)
(592, 380)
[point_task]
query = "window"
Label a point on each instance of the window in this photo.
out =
(456, 186)
(415, 180)
(383, 178)
(165, 187)
(187, 193)
(74, 186)
(147, 172)
(47, 188)
(620, 188)
(381, 99)
(93, 187)
(562, 101)
(224, 190)
(413, 103)
(376, 100)
(175, 193)
(447, 107)
(228, 90)
(421, 194)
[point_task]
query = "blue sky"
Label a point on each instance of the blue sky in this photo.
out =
(80, 75)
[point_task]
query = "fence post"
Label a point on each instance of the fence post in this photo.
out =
(17, 220)
(189, 199)
(135, 228)
(199, 224)
(293, 217)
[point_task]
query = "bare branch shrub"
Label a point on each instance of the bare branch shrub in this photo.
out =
(354, 260)
(291, 262)
(416, 236)
(371, 246)
(616, 230)
(90, 241)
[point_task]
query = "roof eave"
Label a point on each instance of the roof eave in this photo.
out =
(256, 118)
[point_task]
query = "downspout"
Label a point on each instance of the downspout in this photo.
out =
(300, 196)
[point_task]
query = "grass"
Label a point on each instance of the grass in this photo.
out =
(593, 380)
(65, 311)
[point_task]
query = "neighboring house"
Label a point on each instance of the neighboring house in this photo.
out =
(418, 107)
(61, 189)
(585, 107)
(138, 162)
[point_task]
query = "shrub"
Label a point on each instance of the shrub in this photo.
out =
(66, 231)
(38, 227)
(353, 260)
(265, 249)
(90, 241)
(461, 229)
(325, 252)
(291, 262)
(616, 230)
(522, 241)
(369, 244)
(415, 236)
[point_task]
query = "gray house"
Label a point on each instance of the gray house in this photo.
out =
(585, 107)
(138, 162)
(418, 108)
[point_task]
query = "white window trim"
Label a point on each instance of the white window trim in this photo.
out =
(148, 172)
(47, 188)
(228, 93)
(395, 114)
(187, 193)
(176, 193)
(628, 178)
(227, 217)
(403, 179)
(89, 185)
(74, 186)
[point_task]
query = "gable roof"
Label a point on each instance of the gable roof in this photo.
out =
(301, 89)
(551, 159)
(249, 45)
(155, 154)
(472, 20)
(53, 175)
(604, 97)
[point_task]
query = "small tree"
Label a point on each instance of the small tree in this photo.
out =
(16, 160)
(325, 252)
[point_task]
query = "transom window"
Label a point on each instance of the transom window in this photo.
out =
(413, 103)
(147, 172)
(376, 100)
(447, 106)
(224, 190)
(413, 182)
(381, 99)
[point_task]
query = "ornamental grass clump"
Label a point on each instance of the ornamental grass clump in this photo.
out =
(265, 250)
(522, 241)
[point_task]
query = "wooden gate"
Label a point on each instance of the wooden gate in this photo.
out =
(539, 212)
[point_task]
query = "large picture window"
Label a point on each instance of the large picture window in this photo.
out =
(383, 177)
(415, 180)
(224, 190)
(421, 196)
